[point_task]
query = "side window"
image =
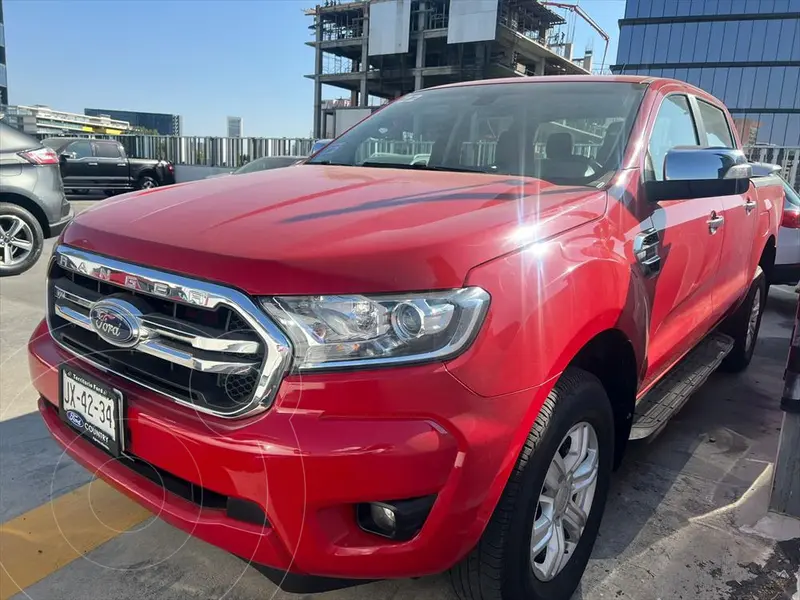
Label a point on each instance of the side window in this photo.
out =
(674, 127)
(718, 134)
(82, 149)
(107, 150)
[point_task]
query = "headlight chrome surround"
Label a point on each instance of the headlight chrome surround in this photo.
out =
(350, 331)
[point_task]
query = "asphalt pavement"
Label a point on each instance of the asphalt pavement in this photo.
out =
(672, 529)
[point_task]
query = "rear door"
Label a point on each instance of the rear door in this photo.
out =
(740, 213)
(681, 289)
(78, 165)
(112, 167)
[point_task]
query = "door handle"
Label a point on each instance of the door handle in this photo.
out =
(749, 206)
(92, 164)
(122, 164)
(715, 222)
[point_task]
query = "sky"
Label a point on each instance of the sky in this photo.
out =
(202, 59)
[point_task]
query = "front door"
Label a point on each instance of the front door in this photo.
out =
(740, 216)
(689, 245)
(78, 165)
(112, 167)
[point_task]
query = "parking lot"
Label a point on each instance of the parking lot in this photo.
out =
(673, 526)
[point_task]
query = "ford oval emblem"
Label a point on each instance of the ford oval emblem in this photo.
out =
(75, 418)
(116, 321)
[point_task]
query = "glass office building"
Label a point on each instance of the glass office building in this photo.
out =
(3, 77)
(164, 124)
(744, 52)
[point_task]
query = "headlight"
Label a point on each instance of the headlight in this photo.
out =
(348, 331)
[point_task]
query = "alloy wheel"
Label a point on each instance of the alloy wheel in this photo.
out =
(565, 502)
(16, 240)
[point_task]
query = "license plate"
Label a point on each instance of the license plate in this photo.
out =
(92, 408)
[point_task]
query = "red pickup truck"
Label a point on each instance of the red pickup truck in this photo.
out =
(355, 369)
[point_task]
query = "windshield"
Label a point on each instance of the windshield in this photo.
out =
(269, 162)
(570, 133)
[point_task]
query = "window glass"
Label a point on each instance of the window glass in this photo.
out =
(763, 6)
(687, 44)
(794, 5)
(701, 46)
(720, 81)
(715, 41)
(707, 79)
(718, 134)
(662, 42)
(743, 40)
(723, 7)
(787, 40)
(729, 40)
(710, 7)
(657, 8)
(668, 73)
(649, 45)
(775, 86)
(746, 88)
(772, 39)
(548, 130)
(764, 128)
(671, 8)
(694, 77)
(779, 123)
(738, 7)
(683, 7)
(758, 41)
(681, 74)
(631, 9)
(781, 6)
(107, 150)
(789, 90)
(760, 90)
(696, 7)
(675, 42)
(731, 96)
(81, 149)
(637, 41)
(793, 131)
(623, 50)
(674, 126)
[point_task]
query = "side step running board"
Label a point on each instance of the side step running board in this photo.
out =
(670, 394)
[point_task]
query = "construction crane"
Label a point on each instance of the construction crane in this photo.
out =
(585, 16)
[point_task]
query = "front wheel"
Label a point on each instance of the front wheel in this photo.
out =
(146, 182)
(540, 537)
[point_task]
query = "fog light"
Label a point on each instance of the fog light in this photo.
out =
(383, 517)
(398, 520)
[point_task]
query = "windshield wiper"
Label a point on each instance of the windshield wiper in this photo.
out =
(419, 167)
(328, 163)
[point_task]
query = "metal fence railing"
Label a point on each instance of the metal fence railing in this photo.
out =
(787, 157)
(207, 151)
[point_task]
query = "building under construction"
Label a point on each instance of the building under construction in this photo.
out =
(387, 48)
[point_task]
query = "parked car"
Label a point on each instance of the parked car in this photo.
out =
(361, 372)
(102, 165)
(262, 164)
(787, 255)
(32, 201)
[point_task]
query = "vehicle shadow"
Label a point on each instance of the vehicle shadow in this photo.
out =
(709, 454)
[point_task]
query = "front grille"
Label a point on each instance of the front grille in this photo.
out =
(200, 344)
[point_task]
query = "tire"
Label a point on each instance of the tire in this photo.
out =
(739, 323)
(18, 227)
(500, 567)
(146, 182)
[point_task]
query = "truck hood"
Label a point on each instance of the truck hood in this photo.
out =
(313, 229)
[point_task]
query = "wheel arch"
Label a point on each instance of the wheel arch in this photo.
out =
(31, 206)
(767, 258)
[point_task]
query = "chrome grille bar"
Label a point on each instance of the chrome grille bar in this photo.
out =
(260, 348)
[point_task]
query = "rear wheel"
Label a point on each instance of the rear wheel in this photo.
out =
(146, 182)
(21, 239)
(743, 326)
(541, 534)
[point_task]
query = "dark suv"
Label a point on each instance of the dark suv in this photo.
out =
(32, 201)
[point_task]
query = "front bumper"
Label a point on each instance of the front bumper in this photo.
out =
(329, 442)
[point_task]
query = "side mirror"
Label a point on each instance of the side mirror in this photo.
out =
(701, 173)
(67, 155)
